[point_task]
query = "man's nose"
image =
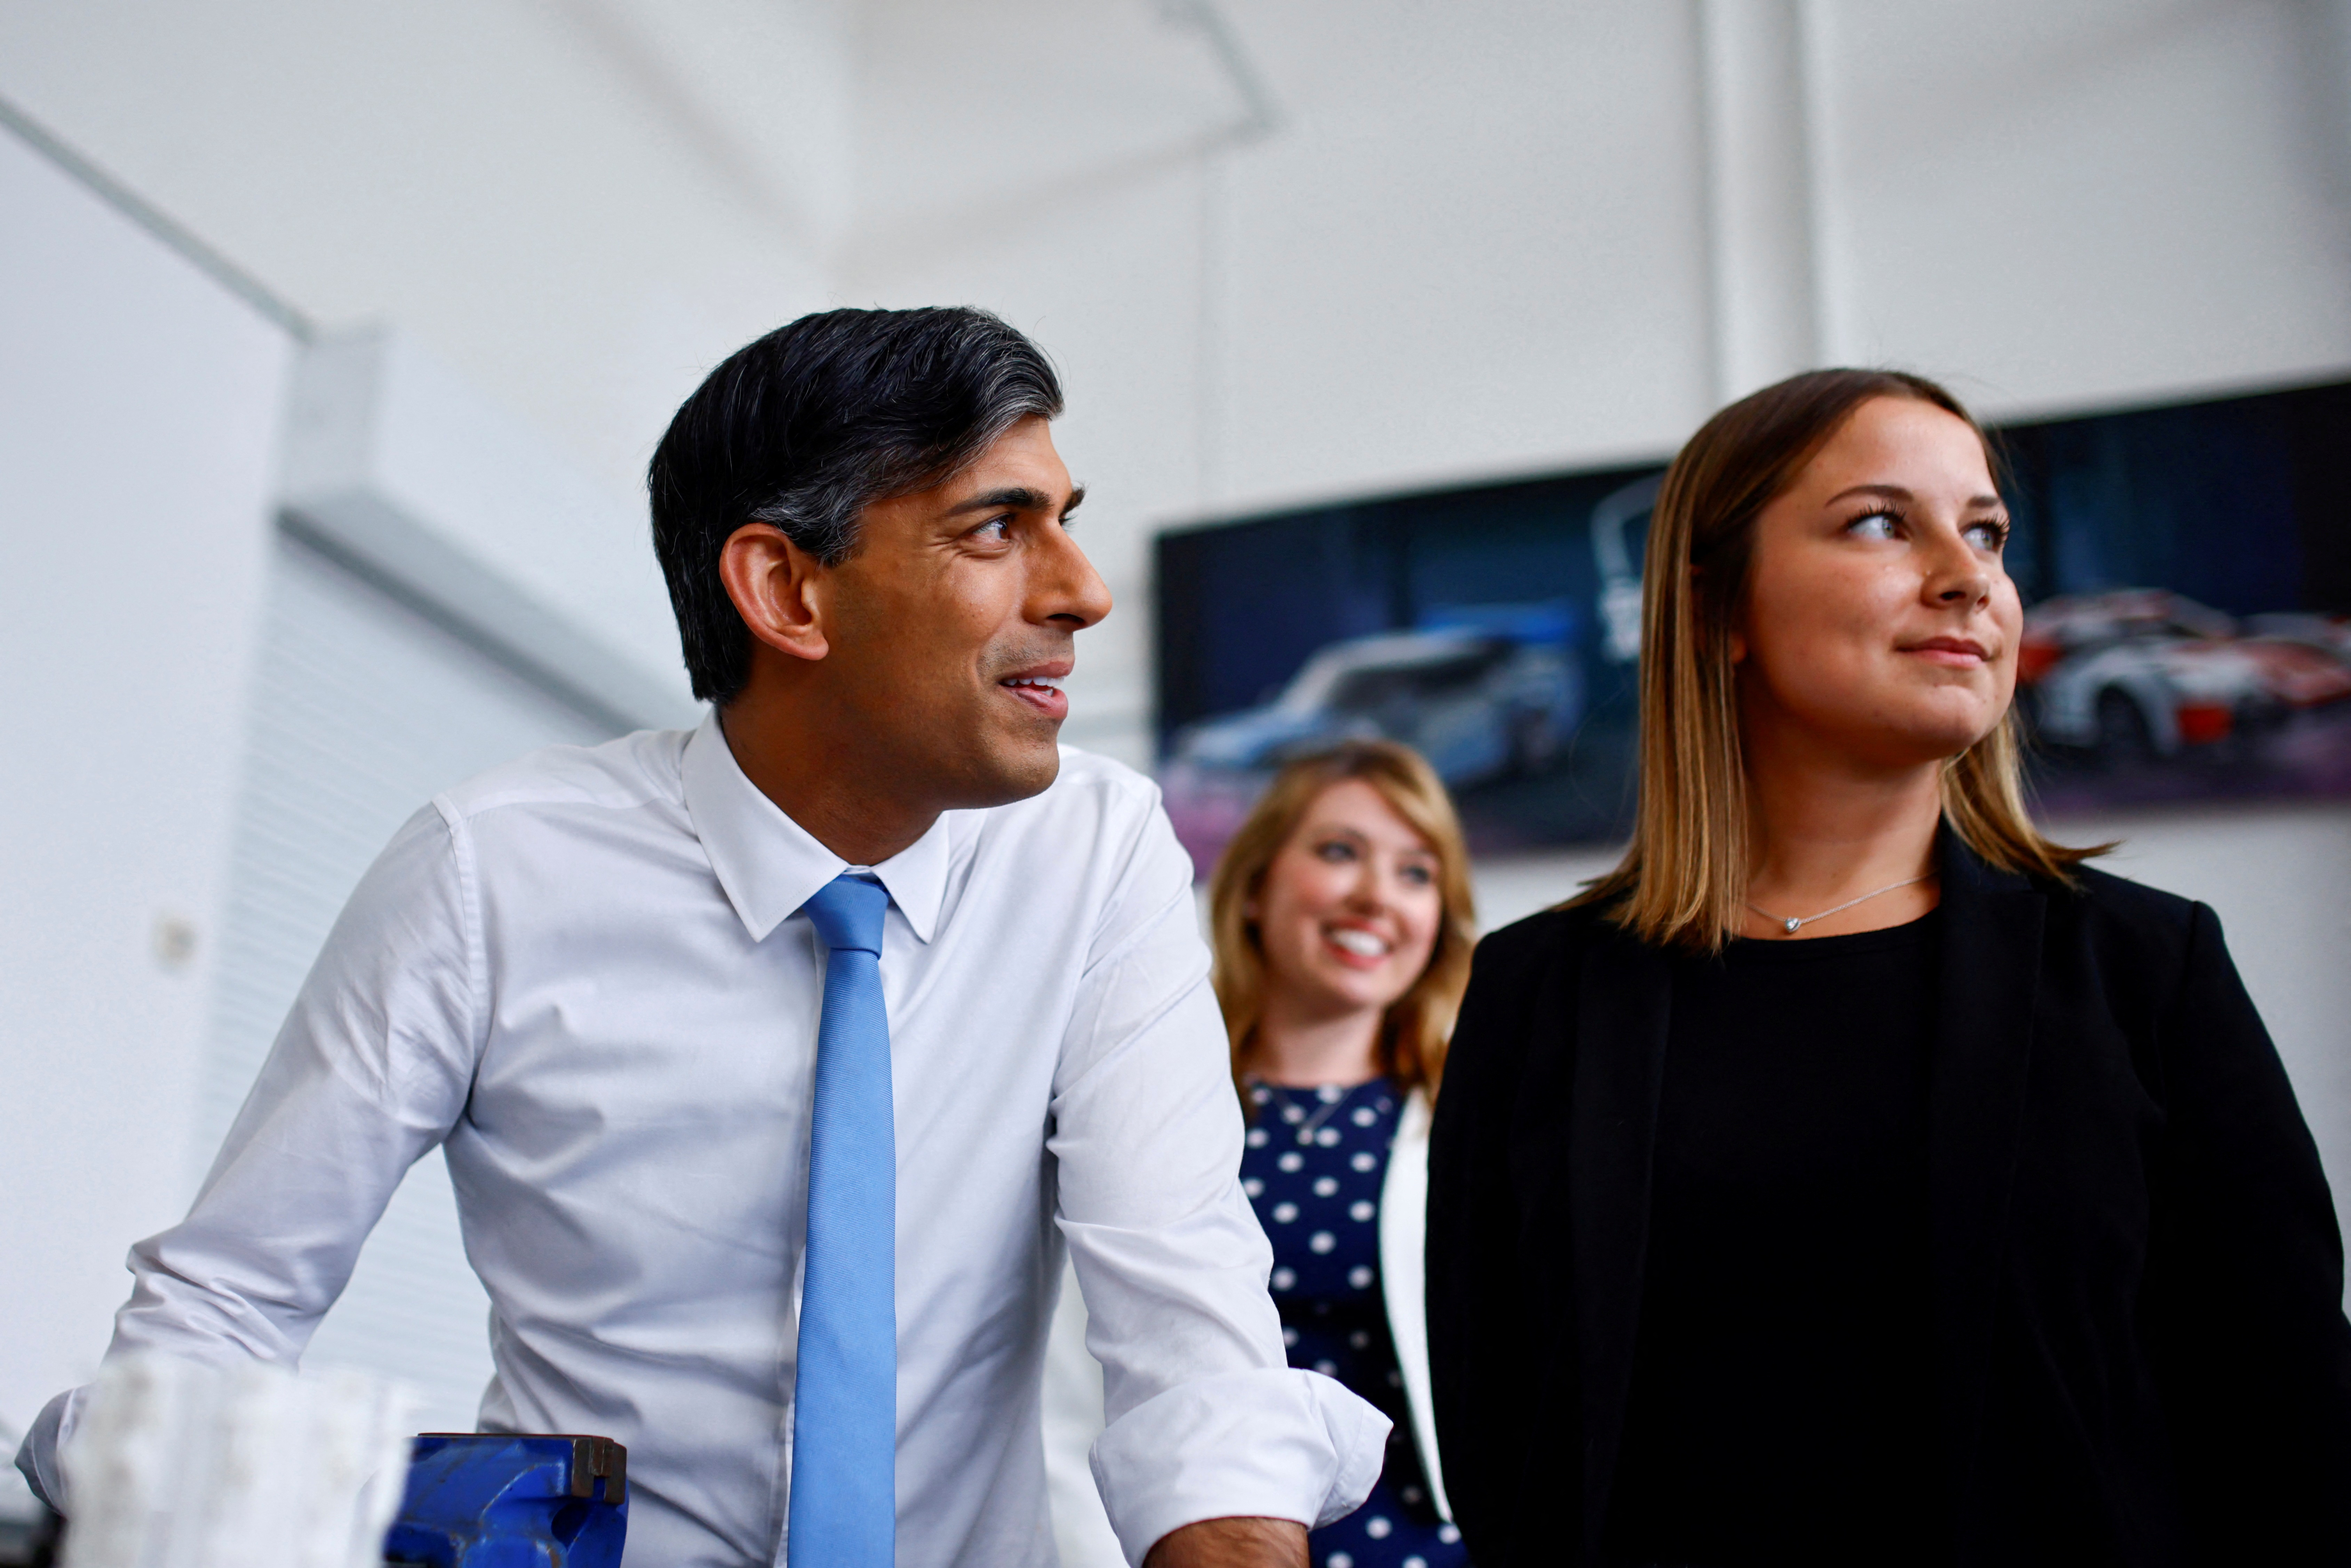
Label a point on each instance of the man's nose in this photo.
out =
(1069, 588)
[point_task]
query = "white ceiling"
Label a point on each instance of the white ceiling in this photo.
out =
(964, 110)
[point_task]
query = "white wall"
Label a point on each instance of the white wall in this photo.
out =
(579, 208)
(398, 464)
(2103, 201)
(139, 413)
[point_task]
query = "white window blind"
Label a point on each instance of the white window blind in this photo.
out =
(365, 707)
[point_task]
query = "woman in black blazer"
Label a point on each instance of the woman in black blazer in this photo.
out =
(1957, 1209)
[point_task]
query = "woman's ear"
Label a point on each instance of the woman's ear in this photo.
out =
(1734, 637)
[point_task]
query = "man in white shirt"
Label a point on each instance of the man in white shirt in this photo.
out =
(594, 979)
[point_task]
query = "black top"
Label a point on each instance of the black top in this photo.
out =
(2135, 1273)
(1781, 1374)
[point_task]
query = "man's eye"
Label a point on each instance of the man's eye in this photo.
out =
(1873, 526)
(994, 530)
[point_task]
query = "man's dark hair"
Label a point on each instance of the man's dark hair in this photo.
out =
(806, 428)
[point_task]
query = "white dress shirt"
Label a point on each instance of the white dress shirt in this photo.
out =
(584, 975)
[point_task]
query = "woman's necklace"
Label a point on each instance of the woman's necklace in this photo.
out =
(1791, 924)
(1309, 1125)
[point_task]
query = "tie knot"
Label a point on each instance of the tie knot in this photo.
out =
(848, 913)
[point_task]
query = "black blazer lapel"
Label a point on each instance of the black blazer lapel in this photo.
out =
(1982, 1054)
(1620, 1057)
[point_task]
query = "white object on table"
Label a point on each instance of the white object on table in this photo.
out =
(178, 1464)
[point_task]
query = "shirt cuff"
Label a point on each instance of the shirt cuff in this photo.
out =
(1275, 1443)
(36, 1458)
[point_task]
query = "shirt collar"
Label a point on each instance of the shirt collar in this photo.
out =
(769, 865)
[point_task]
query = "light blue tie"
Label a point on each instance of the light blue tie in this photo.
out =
(843, 1512)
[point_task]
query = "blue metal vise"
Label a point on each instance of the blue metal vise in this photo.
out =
(489, 1500)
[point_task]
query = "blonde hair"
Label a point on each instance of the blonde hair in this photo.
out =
(1414, 1032)
(1684, 878)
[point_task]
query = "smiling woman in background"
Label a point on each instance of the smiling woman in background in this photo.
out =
(1852, 1177)
(1341, 923)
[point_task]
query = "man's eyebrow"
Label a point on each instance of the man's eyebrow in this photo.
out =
(1077, 499)
(1897, 493)
(1013, 498)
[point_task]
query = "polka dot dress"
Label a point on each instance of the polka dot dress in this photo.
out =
(1312, 1166)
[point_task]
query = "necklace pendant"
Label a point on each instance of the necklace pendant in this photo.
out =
(1790, 926)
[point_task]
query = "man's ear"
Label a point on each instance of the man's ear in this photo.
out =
(778, 589)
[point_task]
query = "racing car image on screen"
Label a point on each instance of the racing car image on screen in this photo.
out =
(1476, 703)
(2147, 673)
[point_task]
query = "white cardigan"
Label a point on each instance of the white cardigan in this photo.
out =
(1073, 1392)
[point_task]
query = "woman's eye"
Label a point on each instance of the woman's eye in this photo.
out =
(1873, 526)
(1419, 875)
(1986, 537)
(1335, 851)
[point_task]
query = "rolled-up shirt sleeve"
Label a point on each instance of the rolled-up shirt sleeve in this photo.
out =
(1205, 1417)
(370, 1072)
